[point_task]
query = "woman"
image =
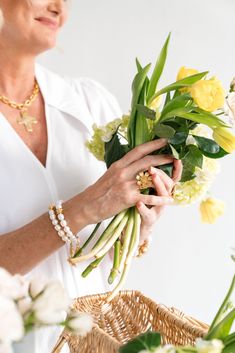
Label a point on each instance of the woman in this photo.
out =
(43, 156)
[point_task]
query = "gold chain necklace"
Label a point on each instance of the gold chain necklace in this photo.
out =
(25, 119)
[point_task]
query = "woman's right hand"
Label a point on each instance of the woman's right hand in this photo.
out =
(117, 189)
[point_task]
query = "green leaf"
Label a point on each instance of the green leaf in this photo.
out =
(211, 121)
(176, 103)
(167, 99)
(193, 158)
(230, 348)
(146, 341)
(185, 82)
(142, 133)
(222, 329)
(217, 320)
(207, 145)
(114, 150)
(179, 138)
(138, 65)
(164, 131)
(210, 115)
(147, 112)
(137, 86)
(157, 72)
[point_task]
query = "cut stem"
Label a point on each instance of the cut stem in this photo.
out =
(127, 240)
(132, 249)
(92, 266)
(102, 240)
(116, 261)
(109, 243)
(79, 252)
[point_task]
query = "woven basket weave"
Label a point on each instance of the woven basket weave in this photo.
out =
(126, 316)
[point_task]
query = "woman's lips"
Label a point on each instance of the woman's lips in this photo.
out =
(48, 22)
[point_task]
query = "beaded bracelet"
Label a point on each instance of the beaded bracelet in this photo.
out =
(61, 226)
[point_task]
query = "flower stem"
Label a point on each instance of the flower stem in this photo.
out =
(79, 252)
(92, 266)
(116, 261)
(102, 240)
(220, 313)
(131, 251)
(109, 243)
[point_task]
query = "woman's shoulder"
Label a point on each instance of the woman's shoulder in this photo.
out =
(100, 102)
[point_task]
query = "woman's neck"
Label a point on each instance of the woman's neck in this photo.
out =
(17, 74)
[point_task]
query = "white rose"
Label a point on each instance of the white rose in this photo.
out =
(80, 323)
(50, 306)
(14, 287)
(214, 346)
(5, 348)
(11, 322)
(24, 305)
(37, 285)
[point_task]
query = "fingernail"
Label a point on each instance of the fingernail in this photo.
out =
(152, 170)
(170, 200)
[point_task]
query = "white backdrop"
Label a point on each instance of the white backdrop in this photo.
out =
(189, 264)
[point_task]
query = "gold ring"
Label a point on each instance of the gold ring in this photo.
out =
(143, 248)
(144, 180)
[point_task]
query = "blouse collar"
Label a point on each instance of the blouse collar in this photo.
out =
(58, 93)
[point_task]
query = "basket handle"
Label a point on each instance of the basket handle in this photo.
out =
(60, 343)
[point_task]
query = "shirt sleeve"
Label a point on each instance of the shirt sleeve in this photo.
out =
(103, 106)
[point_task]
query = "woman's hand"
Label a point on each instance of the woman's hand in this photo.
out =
(117, 189)
(164, 186)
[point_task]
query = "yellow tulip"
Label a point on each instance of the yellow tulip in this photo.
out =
(185, 72)
(209, 95)
(225, 138)
(211, 209)
(156, 103)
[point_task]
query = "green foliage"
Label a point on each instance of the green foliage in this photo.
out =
(114, 150)
(146, 341)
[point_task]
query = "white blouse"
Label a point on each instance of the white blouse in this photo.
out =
(27, 187)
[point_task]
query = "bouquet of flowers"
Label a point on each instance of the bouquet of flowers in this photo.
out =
(219, 339)
(25, 306)
(189, 114)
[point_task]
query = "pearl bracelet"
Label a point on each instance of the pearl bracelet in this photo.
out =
(61, 226)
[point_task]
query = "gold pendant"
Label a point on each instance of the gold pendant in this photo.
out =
(27, 120)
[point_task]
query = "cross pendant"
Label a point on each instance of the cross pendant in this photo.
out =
(27, 120)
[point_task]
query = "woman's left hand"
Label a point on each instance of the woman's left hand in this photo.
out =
(164, 186)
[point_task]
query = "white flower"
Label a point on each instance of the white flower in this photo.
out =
(11, 322)
(5, 348)
(14, 287)
(37, 285)
(50, 306)
(24, 305)
(229, 107)
(80, 323)
(214, 346)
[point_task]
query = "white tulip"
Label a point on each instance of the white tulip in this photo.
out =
(50, 306)
(214, 346)
(11, 322)
(5, 348)
(80, 323)
(14, 287)
(24, 305)
(37, 285)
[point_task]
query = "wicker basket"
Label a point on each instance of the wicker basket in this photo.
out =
(126, 316)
